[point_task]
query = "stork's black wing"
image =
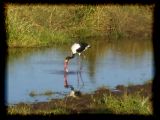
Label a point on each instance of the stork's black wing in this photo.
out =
(83, 46)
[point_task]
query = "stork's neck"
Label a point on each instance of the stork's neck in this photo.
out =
(72, 56)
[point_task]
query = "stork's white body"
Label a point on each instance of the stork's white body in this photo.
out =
(74, 48)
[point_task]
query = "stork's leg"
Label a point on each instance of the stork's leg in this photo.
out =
(77, 78)
(81, 78)
(81, 63)
(78, 63)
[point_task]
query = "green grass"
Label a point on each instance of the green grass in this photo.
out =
(128, 104)
(91, 103)
(24, 109)
(45, 25)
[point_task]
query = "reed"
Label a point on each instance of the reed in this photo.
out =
(45, 25)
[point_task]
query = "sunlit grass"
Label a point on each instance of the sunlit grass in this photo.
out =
(100, 102)
(45, 25)
(128, 104)
(25, 109)
(22, 109)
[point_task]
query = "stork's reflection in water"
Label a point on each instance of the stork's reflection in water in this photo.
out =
(75, 91)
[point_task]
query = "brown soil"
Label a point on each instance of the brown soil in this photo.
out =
(81, 104)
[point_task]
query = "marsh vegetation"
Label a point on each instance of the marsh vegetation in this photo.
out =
(45, 25)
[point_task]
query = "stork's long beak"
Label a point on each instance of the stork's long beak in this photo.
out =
(66, 65)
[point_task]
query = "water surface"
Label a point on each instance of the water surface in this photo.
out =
(35, 70)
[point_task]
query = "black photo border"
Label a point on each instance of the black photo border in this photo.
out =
(156, 59)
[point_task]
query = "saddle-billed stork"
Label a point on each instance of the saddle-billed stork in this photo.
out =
(76, 48)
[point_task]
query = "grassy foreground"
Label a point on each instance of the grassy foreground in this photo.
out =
(130, 100)
(45, 25)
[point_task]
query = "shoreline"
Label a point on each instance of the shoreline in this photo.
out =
(127, 100)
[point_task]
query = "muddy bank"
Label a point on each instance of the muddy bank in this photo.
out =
(137, 97)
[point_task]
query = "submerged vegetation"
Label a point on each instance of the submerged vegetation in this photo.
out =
(45, 25)
(134, 99)
(47, 93)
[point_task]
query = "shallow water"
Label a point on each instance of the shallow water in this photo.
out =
(109, 64)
